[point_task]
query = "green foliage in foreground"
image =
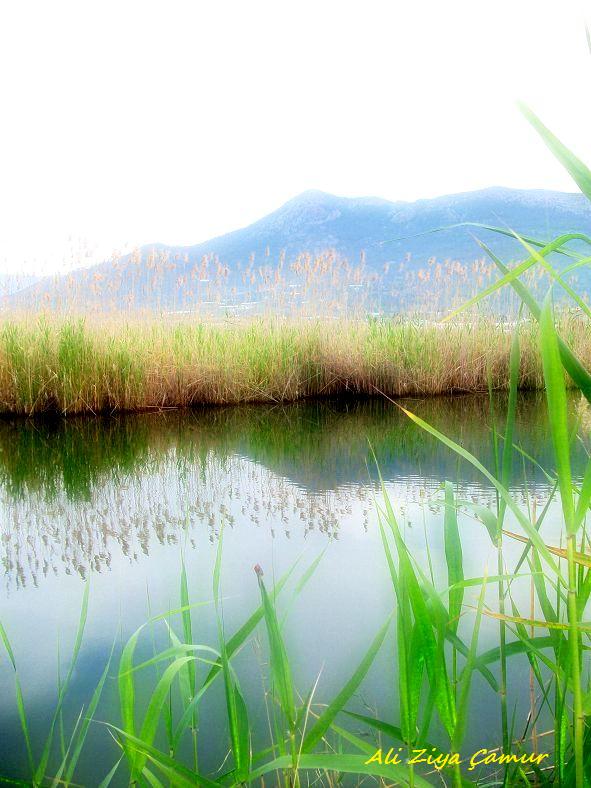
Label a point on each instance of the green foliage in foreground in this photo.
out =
(435, 668)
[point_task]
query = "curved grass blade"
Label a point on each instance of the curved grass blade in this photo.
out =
(243, 633)
(151, 778)
(235, 706)
(453, 556)
(486, 517)
(511, 275)
(466, 681)
(432, 649)
(578, 171)
(347, 764)
(513, 648)
(153, 712)
(108, 779)
(280, 668)
(42, 766)
(511, 505)
(390, 730)
(302, 582)
(176, 772)
(492, 229)
(571, 363)
(584, 626)
(557, 409)
(126, 682)
(96, 696)
(580, 558)
(322, 724)
(20, 703)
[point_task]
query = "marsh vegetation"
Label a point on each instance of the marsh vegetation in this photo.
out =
(477, 613)
(101, 366)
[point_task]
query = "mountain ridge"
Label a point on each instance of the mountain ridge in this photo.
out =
(368, 231)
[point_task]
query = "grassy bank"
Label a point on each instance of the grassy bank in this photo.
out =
(439, 655)
(51, 365)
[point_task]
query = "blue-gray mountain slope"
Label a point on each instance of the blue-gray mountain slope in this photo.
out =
(385, 232)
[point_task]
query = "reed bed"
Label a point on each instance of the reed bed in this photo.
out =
(299, 285)
(84, 365)
(439, 655)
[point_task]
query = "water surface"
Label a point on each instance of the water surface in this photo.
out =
(122, 501)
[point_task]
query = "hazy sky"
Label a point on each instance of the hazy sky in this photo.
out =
(130, 122)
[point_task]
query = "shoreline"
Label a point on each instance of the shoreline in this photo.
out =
(64, 367)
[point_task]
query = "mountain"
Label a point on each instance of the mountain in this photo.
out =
(320, 247)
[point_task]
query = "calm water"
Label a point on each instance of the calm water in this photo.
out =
(121, 500)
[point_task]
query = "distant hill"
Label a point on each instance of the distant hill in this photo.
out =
(373, 252)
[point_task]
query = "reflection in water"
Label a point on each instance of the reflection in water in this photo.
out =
(74, 491)
(128, 500)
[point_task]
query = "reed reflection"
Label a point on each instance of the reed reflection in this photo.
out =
(75, 493)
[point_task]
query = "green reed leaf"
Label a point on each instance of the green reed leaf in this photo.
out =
(109, 778)
(557, 408)
(178, 774)
(280, 668)
(453, 556)
(126, 681)
(511, 505)
(466, 680)
(571, 363)
(323, 723)
(187, 625)
(20, 703)
(42, 766)
(151, 778)
(511, 275)
(346, 764)
(391, 730)
(578, 171)
(88, 717)
(154, 710)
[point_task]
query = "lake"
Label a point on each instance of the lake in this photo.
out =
(121, 502)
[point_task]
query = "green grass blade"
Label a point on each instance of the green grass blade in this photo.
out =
(453, 556)
(578, 171)
(322, 724)
(180, 649)
(571, 363)
(485, 515)
(96, 695)
(187, 625)
(238, 639)
(466, 682)
(507, 460)
(390, 730)
(557, 408)
(280, 668)
(584, 497)
(511, 505)
(176, 772)
(302, 582)
(42, 766)
(126, 682)
(154, 710)
(151, 779)
(346, 764)
(109, 778)
(236, 709)
(511, 275)
(20, 703)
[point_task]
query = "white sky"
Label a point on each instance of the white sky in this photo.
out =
(130, 122)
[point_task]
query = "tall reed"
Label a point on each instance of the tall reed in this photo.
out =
(103, 366)
(437, 660)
